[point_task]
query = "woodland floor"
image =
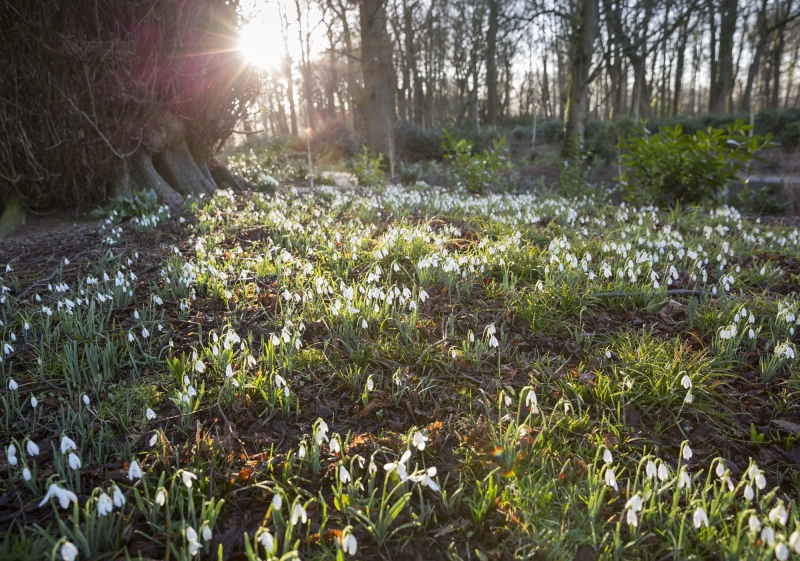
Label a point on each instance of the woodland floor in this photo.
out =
(243, 321)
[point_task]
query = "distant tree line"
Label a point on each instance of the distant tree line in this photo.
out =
(473, 62)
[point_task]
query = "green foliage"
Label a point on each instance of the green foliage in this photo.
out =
(670, 167)
(477, 172)
(764, 200)
(790, 137)
(429, 172)
(141, 203)
(367, 169)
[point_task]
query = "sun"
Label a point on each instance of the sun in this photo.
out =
(261, 44)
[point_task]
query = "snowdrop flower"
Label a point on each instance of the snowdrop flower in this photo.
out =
(419, 440)
(794, 541)
(86, 400)
(13, 385)
(611, 479)
(266, 540)
(720, 469)
(322, 431)
(191, 539)
(423, 296)
(687, 452)
(756, 474)
(689, 398)
(118, 497)
(684, 481)
(349, 543)
(532, 402)
(67, 444)
(334, 445)
(12, 455)
(301, 451)
(277, 501)
(34, 402)
(64, 496)
(134, 471)
(26, 474)
(104, 505)
(399, 466)
(187, 477)
(298, 514)
(426, 478)
(778, 514)
(700, 517)
(748, 493)
(607, 457)
(686, 382)
(493, 342)
(199, 367)
(768, 535)
(150, 414)
(145, 333)
(633, 505)
(205, 531)
(344, 475)
(74, 461)
(754, 523)
(650, 469)
(161, 497)
(69, 552)
(781, 552)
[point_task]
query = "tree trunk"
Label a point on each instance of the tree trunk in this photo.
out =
(761, 43)
(676, 96)
(287, 74)
(545, 88)
(491, 62)
(722, 86)
(145, 176)
(585, 31)
(375, 65)
(777, 55)
(712, 32)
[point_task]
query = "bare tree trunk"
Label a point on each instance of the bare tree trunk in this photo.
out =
(546, 89)
(761, 43)
(676, 96)
(491, 62)
(287, 74)
(586, 28)
(790, 75)
(722, 79)
(375, 66)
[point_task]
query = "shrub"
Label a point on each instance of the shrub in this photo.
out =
(367, 169)
(760, 200)
(670, 167)
(790, 137)
(413, 144)
(477, 172)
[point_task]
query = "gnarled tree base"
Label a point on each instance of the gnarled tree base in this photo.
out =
(164, 164)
